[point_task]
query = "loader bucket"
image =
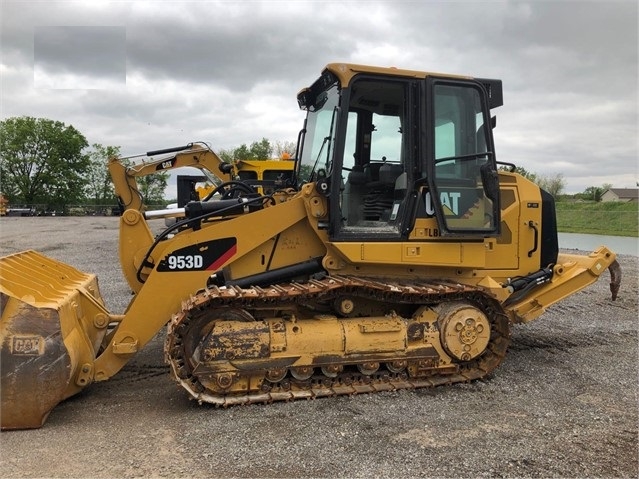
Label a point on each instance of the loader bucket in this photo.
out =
(52, 322)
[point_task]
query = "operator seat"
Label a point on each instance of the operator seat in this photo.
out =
(353, 196)
(378, 202)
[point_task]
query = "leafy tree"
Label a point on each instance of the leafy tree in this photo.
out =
(554, 185)
(99, 186)
(594, 193)
(152, 187)
(41, 161)
(259, 150)
(226, 155)
(285, 148)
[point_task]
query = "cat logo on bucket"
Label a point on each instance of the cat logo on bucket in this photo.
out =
(24, 345)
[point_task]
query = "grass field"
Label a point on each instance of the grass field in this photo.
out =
(611, 218)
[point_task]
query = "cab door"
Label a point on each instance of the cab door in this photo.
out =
(376, 161)
(461, 186)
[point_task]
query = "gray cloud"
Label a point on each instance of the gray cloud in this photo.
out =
(95, 51)
(228, 72)
(237, 52)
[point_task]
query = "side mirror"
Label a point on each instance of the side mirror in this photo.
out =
(490, 180)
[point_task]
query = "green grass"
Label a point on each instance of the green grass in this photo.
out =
(611, 218)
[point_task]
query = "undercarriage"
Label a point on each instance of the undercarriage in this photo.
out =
(333, 336)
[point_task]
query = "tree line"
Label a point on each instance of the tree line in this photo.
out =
(556, 184)
(46, 162)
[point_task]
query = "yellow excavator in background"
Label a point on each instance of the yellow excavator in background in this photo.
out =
(265, 176)
(398, 255)
(3, 205)
(6, 210)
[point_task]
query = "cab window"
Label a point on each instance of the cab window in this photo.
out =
(460, 153)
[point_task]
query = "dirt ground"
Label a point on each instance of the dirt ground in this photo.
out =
(563, 403)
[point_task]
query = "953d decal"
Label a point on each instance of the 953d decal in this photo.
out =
(207, 256)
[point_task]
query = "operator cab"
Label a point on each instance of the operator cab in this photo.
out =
(391, 148)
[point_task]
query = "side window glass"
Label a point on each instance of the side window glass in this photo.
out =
(247, 175)
(275, 175)
(460, 154)
(387, 144)
(350, 143)
(445, 140)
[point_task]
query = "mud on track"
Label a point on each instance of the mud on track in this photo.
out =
(563, 403)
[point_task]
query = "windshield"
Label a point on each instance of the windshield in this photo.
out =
(319, 139)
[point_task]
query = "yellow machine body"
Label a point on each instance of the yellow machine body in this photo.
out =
(338, 283)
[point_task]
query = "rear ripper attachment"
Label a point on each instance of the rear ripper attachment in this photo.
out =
(294, 341)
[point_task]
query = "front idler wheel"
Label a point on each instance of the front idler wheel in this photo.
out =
(464, 330)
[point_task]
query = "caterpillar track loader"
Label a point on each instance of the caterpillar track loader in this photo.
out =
(398, 257)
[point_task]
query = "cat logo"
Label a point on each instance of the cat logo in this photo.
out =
(166, 165)
(27, 345)
(449, 201)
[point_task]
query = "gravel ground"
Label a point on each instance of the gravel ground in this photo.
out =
(563, 403)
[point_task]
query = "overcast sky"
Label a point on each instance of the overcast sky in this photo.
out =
(150, 75)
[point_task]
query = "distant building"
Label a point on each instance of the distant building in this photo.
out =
(621, 194)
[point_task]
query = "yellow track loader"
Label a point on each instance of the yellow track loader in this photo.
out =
(398, 255)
